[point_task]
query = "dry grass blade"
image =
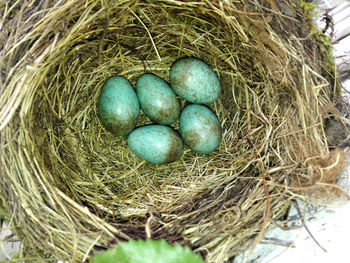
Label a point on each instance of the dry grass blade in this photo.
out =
(259, 237)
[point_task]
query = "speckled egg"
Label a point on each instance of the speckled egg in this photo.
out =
(194, 80)
(200, 128)
(157, 99)
(157, 144)
(118, 106)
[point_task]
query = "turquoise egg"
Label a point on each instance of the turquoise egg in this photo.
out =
(200, 128)
(157, 99)
(118, 106)
(157, 144)
(194, 80)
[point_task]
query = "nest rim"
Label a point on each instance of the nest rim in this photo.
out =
(53, 178)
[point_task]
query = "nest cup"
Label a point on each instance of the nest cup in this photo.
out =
(70, 187)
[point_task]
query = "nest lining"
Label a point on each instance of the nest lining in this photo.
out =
(72, 187)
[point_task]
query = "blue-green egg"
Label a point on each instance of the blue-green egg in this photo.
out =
(118, 106)
(200, 128)
(157, 144)
(194, 80)
(157, 99)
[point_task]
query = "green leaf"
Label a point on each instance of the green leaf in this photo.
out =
(149, 251)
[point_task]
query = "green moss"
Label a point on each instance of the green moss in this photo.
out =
(326, 40)
(311, 10)
(308, 6)
(3, 213)
(328, 59)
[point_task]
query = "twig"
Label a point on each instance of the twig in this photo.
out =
(277, 242)
(307, 229)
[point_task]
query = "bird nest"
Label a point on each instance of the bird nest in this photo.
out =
(71, 188)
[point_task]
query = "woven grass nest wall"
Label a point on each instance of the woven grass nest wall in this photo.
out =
(70, 187)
